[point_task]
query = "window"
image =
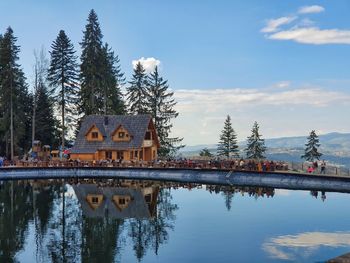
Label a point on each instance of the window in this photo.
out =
(148, 135)
(122, 201)
(94, 200)
(148, 198)
(136, 152)
(121, 135)
(108, 155)
(94, 135)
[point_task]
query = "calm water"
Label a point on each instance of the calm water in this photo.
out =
(123, 221)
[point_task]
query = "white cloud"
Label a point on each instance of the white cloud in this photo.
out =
(282, 84)
(149, 64)
(274, 24)
(303, 31)
(286, 247)
(314, 35)
(311, 9)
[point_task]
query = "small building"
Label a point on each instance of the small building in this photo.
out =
(116, 137)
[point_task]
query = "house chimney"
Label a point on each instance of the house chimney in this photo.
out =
(106, 120)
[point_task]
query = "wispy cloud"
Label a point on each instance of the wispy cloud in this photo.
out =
(149, 64)
(312, 9)
(314, 35)
(212, 100)
(303, 30)
(273, 25)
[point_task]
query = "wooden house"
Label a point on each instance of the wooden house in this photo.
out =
(116, 137)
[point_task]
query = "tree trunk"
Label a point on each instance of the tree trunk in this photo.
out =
(11, 124)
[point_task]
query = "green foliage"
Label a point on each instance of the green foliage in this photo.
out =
(100, 74)
(137, 91)
(91, 68)
(255, 144)
(205, 153)
(13, 95)
(160, 103)
(112, 81)
(311, 150)
(63, 77)
(45, 123)
(227, 146)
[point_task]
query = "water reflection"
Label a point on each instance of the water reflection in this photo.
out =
(97, 220)
(291, 247)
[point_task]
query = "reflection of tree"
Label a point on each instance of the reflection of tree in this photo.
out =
(228, 199)
(15, 213)
(100, 239)
(154, 232)
(64, 228)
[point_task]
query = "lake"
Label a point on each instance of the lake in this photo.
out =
(150, 221)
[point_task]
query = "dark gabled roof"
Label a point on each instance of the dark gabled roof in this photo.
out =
(137, 208)
(136, 125)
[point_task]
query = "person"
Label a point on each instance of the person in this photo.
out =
(315, 165)
(323, 167)
(310, 170)
(1, 161)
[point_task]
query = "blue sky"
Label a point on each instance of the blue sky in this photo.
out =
(285, 64)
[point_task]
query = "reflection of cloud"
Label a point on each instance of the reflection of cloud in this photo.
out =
(308, 242)
(282, 192)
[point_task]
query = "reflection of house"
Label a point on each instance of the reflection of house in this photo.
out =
(127, 137)
(117, 202)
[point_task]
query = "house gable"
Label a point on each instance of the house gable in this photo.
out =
(94, 134)
(121, 134)
(121, 201)
(94, 200)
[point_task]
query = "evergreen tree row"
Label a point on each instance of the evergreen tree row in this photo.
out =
(228, 147)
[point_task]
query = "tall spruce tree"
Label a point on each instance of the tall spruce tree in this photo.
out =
(160, 103)
(112, 81)
(15, 101)
(91, 68)
(255, 144)
(311, 148)
(227, 146)
(137, 91)
(63, 77)
(46, 125)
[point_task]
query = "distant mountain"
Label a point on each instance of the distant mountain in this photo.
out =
(334, 146)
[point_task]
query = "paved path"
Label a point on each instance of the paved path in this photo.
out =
(284, 180)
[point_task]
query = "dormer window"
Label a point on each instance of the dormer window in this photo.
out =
(121, 134)
(94, 135)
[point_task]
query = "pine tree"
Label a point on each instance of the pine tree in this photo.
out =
(205, 153)
(311, 149)
(112, 81)
(227, 146)
(63, 77)
(45, 122)
(91, 68)
(137, 91)
(160, 103)
(255, 144)
(15, 101)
